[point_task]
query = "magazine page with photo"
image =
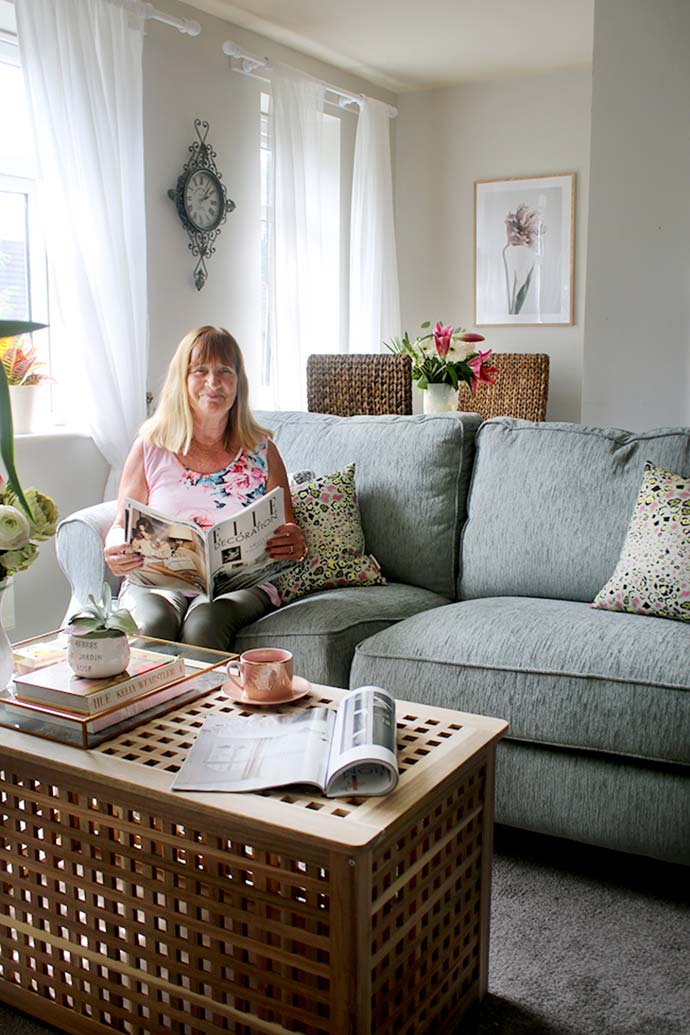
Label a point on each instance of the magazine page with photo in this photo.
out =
(350, 750)
(229, 556)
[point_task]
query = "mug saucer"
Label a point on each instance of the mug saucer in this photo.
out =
(300, 688)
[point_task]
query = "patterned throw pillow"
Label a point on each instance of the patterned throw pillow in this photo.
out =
(326, 510)
(652, 576)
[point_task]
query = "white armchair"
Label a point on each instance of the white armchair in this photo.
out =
(79, 545)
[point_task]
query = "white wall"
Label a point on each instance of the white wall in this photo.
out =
(448, 138)
(637, 321)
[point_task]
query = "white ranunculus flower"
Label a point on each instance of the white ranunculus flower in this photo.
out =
(14, 528)
(460, 350)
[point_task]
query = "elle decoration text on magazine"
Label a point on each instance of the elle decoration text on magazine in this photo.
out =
(347, 751)
(181, 555)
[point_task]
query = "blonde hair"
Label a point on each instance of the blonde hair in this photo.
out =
(171, 425)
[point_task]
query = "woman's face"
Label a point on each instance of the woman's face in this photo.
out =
(211, 386)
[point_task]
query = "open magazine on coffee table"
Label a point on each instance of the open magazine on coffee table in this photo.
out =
(347, 751)
(229, 556)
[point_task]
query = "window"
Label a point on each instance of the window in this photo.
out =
(24, 288)
(330, 228)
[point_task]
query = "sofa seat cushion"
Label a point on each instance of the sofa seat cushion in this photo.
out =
(323, 628)
(559, 672)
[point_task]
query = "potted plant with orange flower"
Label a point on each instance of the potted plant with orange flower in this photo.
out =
(24, 373)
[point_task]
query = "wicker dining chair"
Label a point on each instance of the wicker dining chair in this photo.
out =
(521, 388)
(359, 383)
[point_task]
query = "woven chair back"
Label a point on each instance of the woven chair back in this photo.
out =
(521, 388)
(348, 385)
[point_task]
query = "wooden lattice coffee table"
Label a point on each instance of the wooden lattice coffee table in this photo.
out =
(128, 908)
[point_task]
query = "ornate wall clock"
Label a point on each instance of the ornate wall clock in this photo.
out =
(201, 200)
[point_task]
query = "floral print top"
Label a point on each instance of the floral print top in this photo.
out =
(205, 499)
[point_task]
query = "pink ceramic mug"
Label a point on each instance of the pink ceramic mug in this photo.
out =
(265, 673)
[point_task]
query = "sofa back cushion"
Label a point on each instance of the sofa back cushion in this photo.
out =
(550, 504)
(411, 475)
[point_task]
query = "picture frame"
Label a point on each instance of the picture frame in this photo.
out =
(524, 243)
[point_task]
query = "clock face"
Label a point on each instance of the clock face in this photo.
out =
(204, 202)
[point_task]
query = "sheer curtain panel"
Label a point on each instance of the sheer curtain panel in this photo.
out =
(301, 328)
(374, 290)
(82, 64)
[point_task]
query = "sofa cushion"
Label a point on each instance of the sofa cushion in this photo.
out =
(550, 504)
(326, 510)
(652, 576)
(323, 629)
(412, 477)
(557, 671)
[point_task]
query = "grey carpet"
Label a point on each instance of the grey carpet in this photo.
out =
(583, 942)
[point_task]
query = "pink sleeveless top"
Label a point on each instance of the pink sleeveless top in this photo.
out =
(207, 499)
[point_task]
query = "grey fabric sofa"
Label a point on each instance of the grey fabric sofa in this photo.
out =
(494, 540)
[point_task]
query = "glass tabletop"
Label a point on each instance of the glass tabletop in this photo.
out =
(204, 672)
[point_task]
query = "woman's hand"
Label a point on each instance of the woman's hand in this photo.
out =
(287, 543)
(121, 558)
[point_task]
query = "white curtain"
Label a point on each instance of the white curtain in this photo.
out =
(298, 323)
(374, 291)
(82, 65)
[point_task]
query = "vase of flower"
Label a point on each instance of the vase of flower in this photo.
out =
(5, 646)
(439, 398)
(23, 375)
(442, 360)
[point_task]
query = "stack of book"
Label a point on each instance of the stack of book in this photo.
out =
(53, 702)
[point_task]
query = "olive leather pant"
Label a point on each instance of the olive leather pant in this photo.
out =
(168, 614)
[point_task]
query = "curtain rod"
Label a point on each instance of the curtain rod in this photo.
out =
(186, 26)
(251, 65)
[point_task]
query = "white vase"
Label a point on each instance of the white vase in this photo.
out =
(5, 646)
(98, 654)
(23, 402)
(439, 399)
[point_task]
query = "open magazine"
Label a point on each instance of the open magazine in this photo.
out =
(181, 555)
(348, 751)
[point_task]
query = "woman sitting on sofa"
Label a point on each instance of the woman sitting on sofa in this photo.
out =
(202, 457)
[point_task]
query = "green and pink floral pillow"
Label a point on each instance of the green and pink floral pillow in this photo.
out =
(652, 576)
(327, 511)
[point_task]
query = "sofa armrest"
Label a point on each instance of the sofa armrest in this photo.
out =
(79, 546)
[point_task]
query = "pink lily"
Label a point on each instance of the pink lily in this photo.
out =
(470, 336)
(442, 338)
(482, 371)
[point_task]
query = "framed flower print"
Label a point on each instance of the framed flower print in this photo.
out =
(523, 250)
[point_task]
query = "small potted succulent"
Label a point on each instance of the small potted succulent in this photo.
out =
(98, 644)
